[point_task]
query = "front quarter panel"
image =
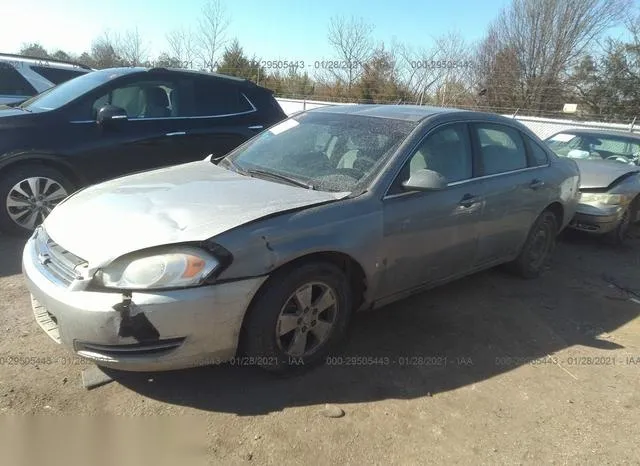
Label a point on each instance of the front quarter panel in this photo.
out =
(568, 193)
(352, 227)
(629, 186)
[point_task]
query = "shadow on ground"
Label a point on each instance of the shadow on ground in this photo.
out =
(10, 254)
(474, 324)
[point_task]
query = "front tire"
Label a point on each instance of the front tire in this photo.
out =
(299, 318)
(28, 193)
(620, 235)
(537, 249)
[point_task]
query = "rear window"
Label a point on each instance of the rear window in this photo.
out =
(213, 98)
(56, 75)
(12, 82)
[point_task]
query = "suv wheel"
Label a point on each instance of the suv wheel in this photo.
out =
(27, 194)
(301, 316)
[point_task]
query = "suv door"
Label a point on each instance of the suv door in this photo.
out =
(222, 117)
(515, 187)
(149, 138)
(432, 236)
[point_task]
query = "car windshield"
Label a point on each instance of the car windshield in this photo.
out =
(595, 146)
(68, 91)
(326, 151)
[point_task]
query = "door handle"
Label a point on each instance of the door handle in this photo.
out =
(176, 133)
(536, 184)
(468, 200)
(256, 127)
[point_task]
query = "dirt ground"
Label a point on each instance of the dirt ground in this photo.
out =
(499, 371)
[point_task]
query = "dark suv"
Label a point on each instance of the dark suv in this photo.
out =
(113, 122)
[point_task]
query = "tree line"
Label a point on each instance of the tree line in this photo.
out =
(535, 56)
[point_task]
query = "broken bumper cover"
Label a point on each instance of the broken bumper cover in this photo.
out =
(595, 219)
(162, 330)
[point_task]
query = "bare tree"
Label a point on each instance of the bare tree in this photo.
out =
(212, 31)
(546, 38)
(353, 46)
(131, 48)
(182, 46)
(427, 69)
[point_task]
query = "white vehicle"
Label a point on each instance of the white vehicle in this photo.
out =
(23, 77)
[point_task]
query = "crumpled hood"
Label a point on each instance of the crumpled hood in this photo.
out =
(189, 202)
(601, 173)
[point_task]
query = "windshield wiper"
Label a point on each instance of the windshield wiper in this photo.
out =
(218, 159)
(278, 176)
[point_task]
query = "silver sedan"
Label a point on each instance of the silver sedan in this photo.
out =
(265, 255)
(609, 180)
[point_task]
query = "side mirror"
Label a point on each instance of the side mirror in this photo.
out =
(425, 180)
(110, 113)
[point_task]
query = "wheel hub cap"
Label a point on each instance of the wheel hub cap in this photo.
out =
(32, 199)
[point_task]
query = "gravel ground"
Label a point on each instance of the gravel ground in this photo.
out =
(499, 371)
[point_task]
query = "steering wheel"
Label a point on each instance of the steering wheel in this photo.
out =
(618, 158)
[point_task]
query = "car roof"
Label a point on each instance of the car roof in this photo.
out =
(414, 113)
(418, 113)
(141, 69)
(601, 132)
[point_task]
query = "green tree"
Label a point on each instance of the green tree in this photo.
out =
(379, 82)
(291, 83)
(34, 50)
(86, 59)
(609, 85)
(62, 55)
(234, 62)
(167, 61)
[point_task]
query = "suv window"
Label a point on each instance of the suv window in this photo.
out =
(56, 75)
(214, 98)
(144, 99)
(13, 83)
(447, 151)
(501, 148)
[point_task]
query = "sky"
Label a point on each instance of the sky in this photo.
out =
(272, 29)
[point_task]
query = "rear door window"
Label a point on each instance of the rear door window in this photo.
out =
(501, 148)
(215, 98)
(13, 83)
(56, 75)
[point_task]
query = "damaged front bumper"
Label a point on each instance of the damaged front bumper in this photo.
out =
(597, 219)
(148, 331)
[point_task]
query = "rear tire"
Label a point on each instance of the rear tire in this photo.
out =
(538, 247)
(298, 319)
(27, 195)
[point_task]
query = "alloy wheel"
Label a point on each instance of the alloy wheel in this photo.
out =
(32, 199)
(307, 319)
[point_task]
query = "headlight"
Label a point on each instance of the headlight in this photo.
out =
(177, 267)
(605, 198)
